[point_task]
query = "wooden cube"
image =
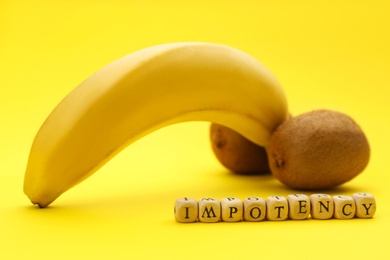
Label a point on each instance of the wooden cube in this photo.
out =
(232, 209)
(365, 205)
(209, 210)
(254, 209)
(277, 208)
(322, 206)
(298, 206)
(186, 210)
(344, 207)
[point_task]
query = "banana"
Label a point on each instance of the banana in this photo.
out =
(142, 92)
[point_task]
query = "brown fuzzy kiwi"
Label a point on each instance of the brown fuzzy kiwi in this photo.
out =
(317, 150)
(236, 152)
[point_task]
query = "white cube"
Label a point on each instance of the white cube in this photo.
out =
(277, 208)
(232, 209)
(254, 209)
(298, 206)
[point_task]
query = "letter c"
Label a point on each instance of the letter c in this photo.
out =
(344, 209)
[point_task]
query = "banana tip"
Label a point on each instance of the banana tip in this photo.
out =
(39, 204)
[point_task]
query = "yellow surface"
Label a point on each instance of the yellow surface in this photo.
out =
(327, 54)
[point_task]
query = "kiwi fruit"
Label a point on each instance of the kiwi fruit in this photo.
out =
(237, 153)
(318, 150)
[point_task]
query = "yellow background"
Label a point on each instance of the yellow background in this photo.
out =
(327, 54)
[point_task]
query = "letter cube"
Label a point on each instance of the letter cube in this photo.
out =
(232, 209)
(209, 210)
(277, 208)
(186, 210)
(322, 206)
(254, 209)
(365, 205)
(299, 206)
(344, 207)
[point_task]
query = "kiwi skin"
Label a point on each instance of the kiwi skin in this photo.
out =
(318, 150)
(237, 153)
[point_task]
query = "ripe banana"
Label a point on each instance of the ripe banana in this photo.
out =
(142, 92)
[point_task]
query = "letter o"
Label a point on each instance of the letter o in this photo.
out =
(258, 211)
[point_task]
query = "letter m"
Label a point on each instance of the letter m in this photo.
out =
(209, 212)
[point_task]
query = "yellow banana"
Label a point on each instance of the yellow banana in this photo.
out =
(142, 92)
